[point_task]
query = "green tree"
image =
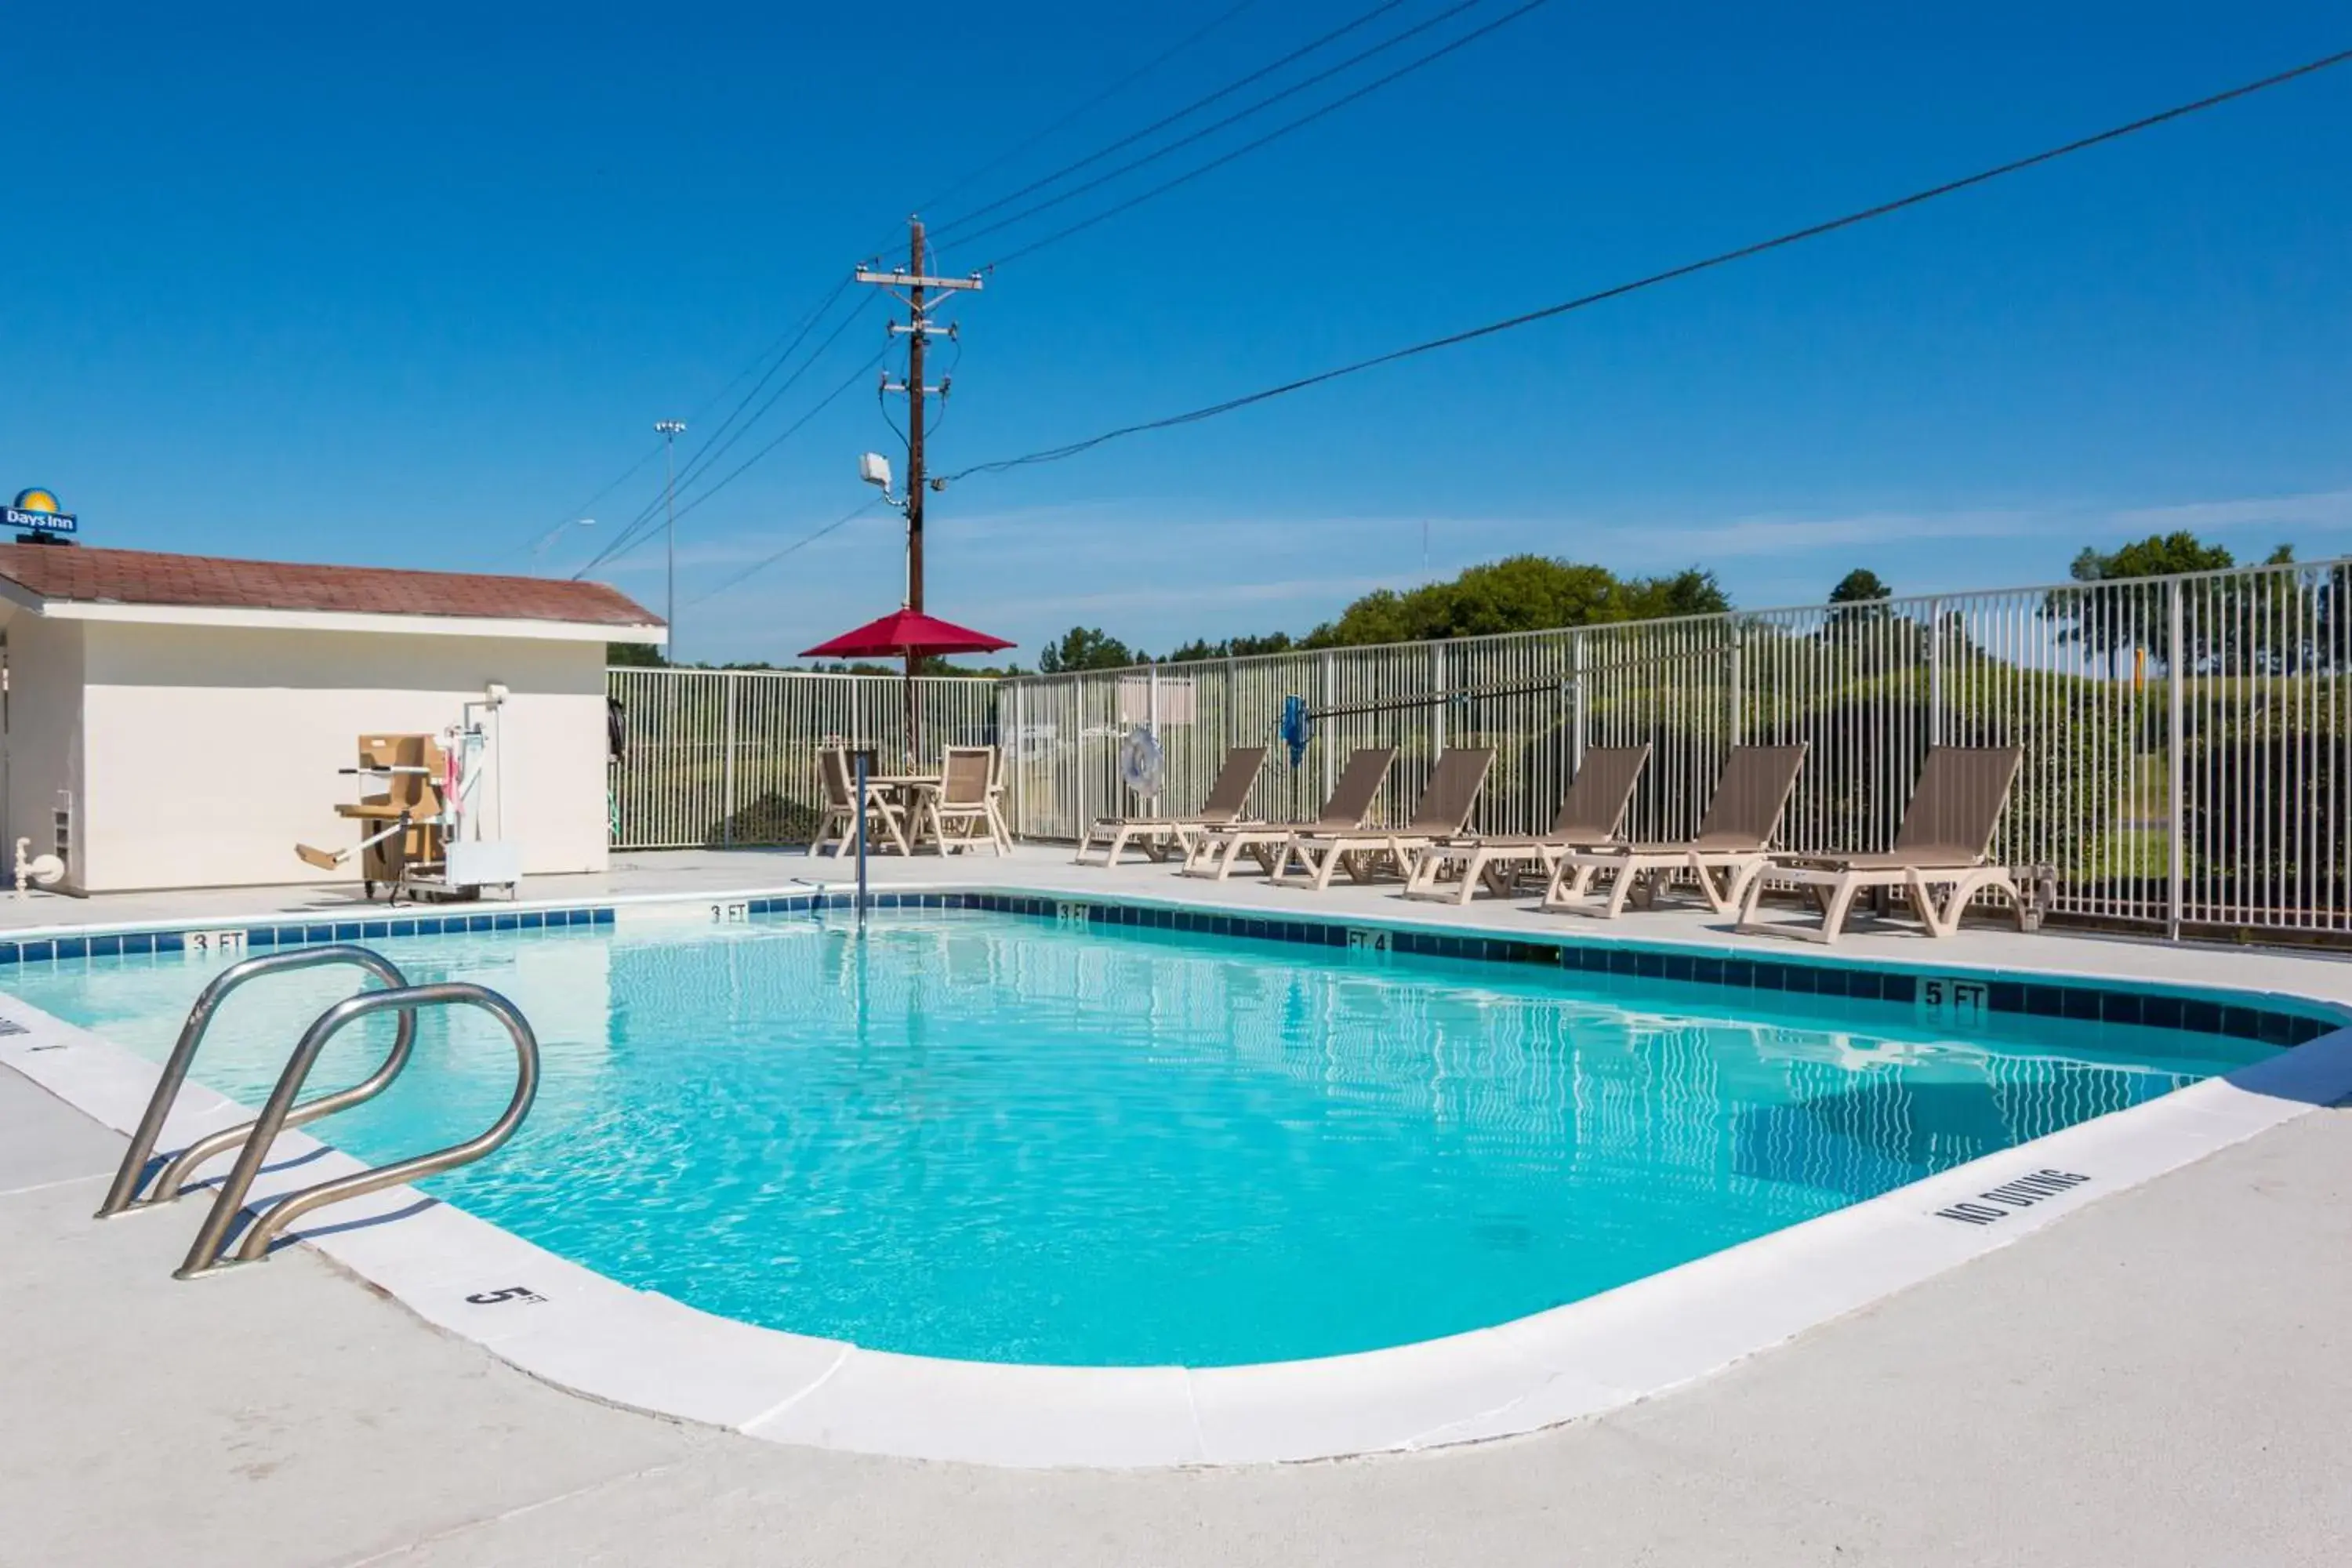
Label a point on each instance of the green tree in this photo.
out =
(633, 656)
(1860, 587)
(1689, 592)
(1519, 594)
(1085, 647)
(1382, 615)
(2115, 621)
(1231, 648)
(1859, 600)
(2158, 555)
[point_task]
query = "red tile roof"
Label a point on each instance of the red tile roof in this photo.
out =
(210, 582)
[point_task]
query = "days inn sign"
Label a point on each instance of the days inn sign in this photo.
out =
(36, 509)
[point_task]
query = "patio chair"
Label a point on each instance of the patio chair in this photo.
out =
(1590, 816)
(996, 788)
(1443, 812)
(958, 811)
(1733, 838)
(1214, 851)
(885, 820)
(1946, 840)
(1159, 837)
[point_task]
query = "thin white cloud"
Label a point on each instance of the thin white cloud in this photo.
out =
(2322, 509)
(1293, 591)
(1775, 536)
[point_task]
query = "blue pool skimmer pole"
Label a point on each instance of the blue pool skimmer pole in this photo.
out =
(861, 840)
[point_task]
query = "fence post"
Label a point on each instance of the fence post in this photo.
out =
(1576, 699)
(2176, 652)
(1437, 689)
(1331, 699)
(1731, 670)
(1010, 737)
(1078, 752)
(1935, 672)
(1231, 705)
(1152, 717)
(727, 788)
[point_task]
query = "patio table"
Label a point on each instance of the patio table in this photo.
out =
(908, 789)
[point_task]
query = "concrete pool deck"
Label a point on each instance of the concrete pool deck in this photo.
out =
(2153, 1379)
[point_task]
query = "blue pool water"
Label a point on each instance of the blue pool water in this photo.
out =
(983, 1136)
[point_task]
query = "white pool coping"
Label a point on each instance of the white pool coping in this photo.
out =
(593, 1335)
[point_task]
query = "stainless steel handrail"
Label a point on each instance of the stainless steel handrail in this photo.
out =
(124, 1194)
(206, 1256)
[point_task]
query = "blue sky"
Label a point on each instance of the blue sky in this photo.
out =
(404, 287)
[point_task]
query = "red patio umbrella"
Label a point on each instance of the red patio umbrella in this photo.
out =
(909, 635)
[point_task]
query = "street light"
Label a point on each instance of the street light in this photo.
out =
(669, 430)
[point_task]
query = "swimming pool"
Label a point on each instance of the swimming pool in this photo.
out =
(992, 1136)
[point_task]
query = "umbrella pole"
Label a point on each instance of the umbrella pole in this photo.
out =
(914, 747)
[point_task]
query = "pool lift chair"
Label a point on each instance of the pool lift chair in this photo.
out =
(413, 835)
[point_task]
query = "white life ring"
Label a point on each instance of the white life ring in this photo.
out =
(1140, 766)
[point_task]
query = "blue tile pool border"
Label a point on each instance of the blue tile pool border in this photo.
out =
(2112, 1002)
(2106, 1002)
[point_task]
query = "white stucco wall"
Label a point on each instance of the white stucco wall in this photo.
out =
(208, 751)
(44, 752)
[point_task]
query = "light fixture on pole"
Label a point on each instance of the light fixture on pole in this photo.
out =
(669, 430)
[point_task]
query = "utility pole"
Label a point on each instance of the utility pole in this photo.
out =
(915, 290)
(669, 430)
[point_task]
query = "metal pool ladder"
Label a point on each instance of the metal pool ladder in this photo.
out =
(209, 1253)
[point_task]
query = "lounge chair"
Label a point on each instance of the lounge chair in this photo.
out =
(1733, 838)
(1160, 836)
(1590, 816)
(886, 822)
(1945, 841)
(1214, 851)
(1444, 811)
(959, 810)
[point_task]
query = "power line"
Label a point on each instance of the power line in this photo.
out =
(718, 442)
(1276, 135)
(1811, 231)
(1188, 111)
(795, 334)
(1318, 79)
(572, 516)
(1106, 95)
(781, 436)
(798, 335)
(714, 447)
(704, 459)
(638, 527)
(789, 431)
(804, 541)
